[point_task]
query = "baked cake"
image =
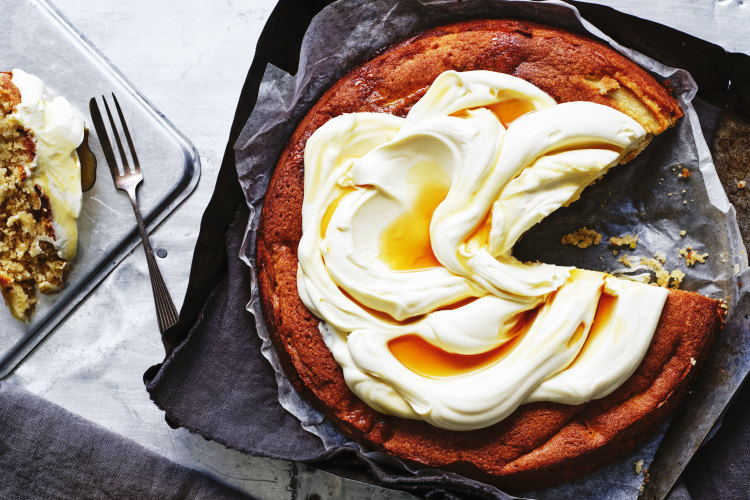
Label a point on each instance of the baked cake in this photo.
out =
(392, 215)
(40, 190)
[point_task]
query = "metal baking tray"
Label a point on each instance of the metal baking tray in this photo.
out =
(39, 40)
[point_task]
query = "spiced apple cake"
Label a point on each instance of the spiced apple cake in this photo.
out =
(40, 190)
(385, 267)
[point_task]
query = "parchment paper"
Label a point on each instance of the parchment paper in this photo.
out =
(633, 199)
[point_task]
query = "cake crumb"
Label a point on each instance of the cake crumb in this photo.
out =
(638, 465)
(582, 238)
(691, 256)
(664, 278)
(615, 252)
(741, 184)
(624, 240)
(692, 361)
(677, 276)
(683, 233)
(684, 174)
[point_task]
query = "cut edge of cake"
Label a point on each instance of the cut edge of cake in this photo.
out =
(28, 257)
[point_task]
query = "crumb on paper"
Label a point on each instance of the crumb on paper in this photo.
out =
(677, 277)
(630, 240)
(638, 465)
(642, 487)
(684, 174)
(684, 202)
(582, 238)
(741, 184)
(692, 361)
(683, 233)
(664, 278)
(625, 260)
(614, 252)
(691, 256)
(736, 269)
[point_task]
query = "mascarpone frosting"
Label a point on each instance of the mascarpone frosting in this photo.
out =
(57, 130)
(408, 227)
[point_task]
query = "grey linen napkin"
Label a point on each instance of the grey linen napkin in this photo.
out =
(48, 452)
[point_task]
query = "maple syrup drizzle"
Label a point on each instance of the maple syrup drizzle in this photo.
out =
(510, 109)
(380, 314)
(428, 360)
(481, 234)
(586, 145)
(604, 312)
(405, 243)
(329, 213)
(506, 111)
(456, 305)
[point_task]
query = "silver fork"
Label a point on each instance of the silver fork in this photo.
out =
(128, 181)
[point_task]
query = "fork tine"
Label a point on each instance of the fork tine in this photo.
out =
(101, 131)
(136, 163)
(125, 164)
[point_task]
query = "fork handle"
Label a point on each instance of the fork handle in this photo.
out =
(166, 313)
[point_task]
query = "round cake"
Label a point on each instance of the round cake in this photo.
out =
(492, 86)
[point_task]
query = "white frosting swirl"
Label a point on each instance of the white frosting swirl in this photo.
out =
(408, 226)
(57, 131)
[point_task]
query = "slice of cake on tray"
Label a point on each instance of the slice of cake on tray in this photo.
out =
(40, 190)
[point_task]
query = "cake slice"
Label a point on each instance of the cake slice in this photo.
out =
(40, 190)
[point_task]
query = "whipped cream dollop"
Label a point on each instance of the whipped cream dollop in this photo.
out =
(408, 227)
(57, 131)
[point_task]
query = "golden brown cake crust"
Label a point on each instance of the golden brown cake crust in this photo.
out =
(541, 444)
